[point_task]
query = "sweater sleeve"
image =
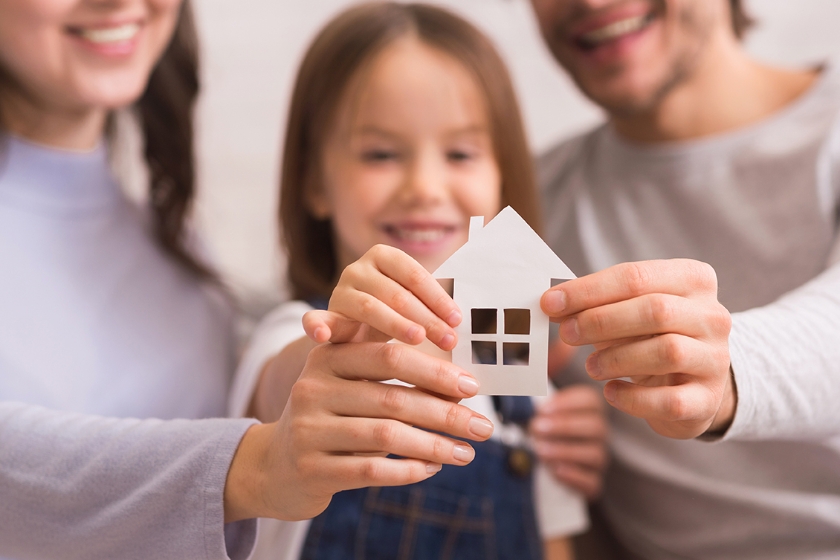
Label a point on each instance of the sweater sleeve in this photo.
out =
(82, 486)
(786, 360)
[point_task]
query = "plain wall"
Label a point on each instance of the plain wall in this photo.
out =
(251, 49)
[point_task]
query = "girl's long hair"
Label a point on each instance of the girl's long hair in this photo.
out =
(165, 112)
(339, 50)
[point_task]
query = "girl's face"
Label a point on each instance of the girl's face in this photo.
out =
(410, 157)
(75, 56)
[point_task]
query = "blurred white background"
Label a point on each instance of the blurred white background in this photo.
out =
(251, 49)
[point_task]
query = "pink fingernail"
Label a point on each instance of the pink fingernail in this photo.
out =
(467, 385)
(412, 332)
(463, 453)
(609, 392)
(454, 318)
(555, 302)
(432, 468)
(447, 341)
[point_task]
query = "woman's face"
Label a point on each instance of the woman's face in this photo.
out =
(410, 157)
(82, 55)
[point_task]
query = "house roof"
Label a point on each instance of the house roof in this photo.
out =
(506, 247)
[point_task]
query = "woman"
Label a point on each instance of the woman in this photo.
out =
(105, 311)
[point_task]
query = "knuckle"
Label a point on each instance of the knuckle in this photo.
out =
(369, 471)
(677, 407)
(636, 277)
(721, 321)
(672, 351)
(451, 416)
(367, 305)
(440, 449)
(417, 276)
(391, 356)
(399, 301)
(393, 399)
(304, 391)
(660, 310)
(384, 434)
(597, 324)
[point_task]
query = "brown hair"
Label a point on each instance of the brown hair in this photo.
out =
(742, 21)
(166, 115)
(165, 111)
(339, 50)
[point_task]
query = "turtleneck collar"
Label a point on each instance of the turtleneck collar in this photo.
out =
(52, 180)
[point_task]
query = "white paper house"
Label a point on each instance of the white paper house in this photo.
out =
(499, 276)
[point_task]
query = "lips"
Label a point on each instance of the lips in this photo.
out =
(108, 40)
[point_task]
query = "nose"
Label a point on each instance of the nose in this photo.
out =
(426, 180)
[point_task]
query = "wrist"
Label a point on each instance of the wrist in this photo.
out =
(726, 413)
(243, 495)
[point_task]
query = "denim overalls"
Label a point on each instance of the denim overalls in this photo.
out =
(483, 511)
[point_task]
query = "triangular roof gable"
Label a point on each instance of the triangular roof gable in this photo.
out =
(507, 237)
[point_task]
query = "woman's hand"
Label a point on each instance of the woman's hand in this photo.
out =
(569, 433)
(658, 323)
(340, 423)
(386, 294)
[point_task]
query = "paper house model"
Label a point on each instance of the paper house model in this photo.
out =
(499, 276)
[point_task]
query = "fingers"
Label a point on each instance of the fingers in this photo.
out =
(404, 404)
(578, 397)
(394, 294)
(370, 435)
(680, 277)
(647, 315)
(679, 411)
(578, 426)
(350, 472)
(375, 361)
(660, 355)
(587, 482)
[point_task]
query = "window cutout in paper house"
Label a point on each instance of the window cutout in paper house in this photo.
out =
(499, 275)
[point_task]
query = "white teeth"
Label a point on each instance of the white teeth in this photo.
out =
(614, 30)
(111, 34)
(419, 235)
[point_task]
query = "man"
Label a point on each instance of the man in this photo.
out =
(725, 440)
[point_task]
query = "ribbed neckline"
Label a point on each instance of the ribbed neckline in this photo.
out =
(826, 84)
(46, 179)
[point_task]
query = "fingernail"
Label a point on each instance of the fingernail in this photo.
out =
(569, 330)
(447, 341)
(555, 302)
(480, 427)
(412, 332)
(593, 365)
(432, 468)
(468, 385)
(317, 335)
(463, 453)
(609, 392)
(454, 318)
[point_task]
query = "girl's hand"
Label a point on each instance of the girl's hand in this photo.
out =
(660, 324)
(570, 438)
(326, 442)
(386, 294)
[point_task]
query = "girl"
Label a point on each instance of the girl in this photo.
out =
(403, 124)
(105, 311)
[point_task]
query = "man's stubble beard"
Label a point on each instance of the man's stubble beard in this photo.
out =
(680, 70)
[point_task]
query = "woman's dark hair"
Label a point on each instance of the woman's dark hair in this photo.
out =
(165, 112)
(166, 117)
(350, 40)
(742, 21)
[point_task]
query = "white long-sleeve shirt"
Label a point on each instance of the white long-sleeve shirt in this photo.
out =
(96, 320)
(760, 205)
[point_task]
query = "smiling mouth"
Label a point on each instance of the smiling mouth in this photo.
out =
(611, 32)
(418, 234)
(107, 35)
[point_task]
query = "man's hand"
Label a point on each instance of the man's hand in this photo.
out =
(570, 438)
(659, 324)
(340, 423)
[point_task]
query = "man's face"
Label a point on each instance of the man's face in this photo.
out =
(627, 55)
